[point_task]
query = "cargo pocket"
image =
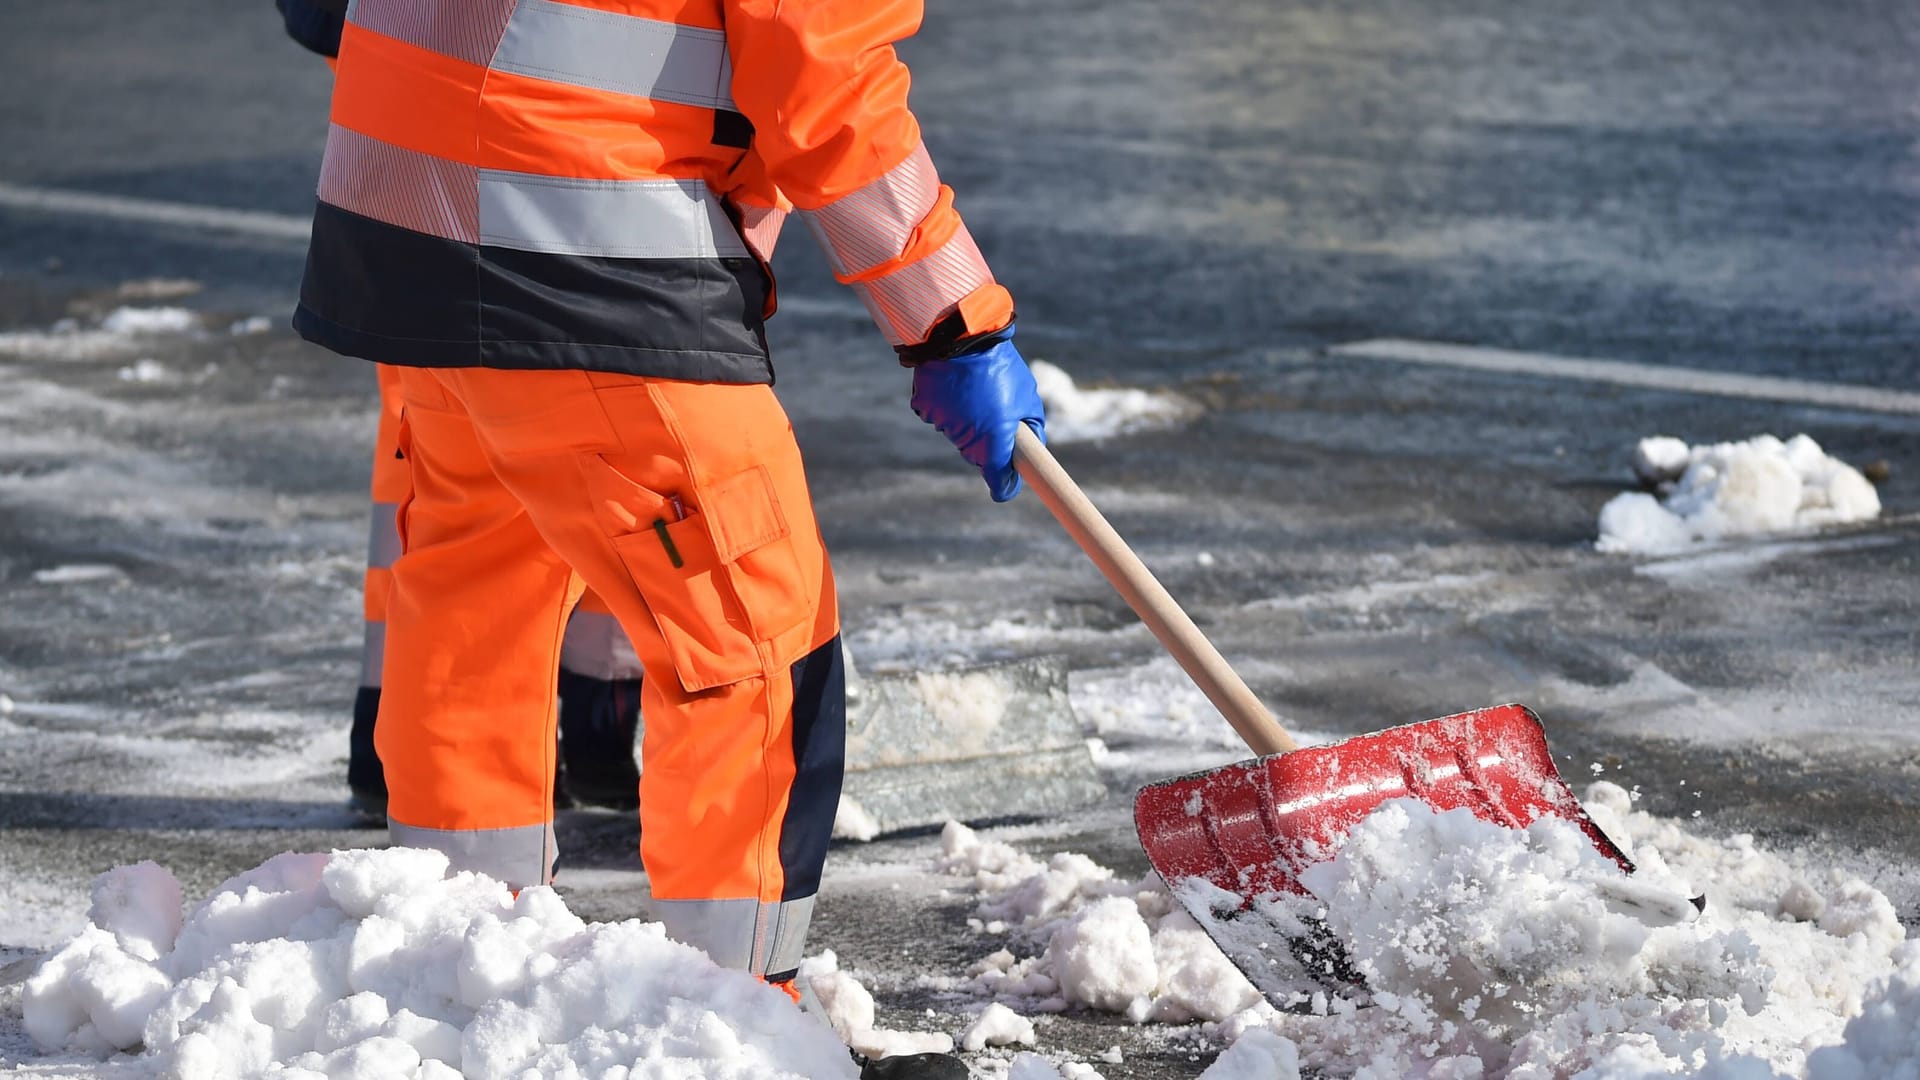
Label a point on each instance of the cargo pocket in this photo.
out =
(715, 568)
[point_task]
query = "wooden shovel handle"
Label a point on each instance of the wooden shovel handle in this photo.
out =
(1147, 597)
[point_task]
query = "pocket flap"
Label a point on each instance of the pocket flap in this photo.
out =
(743, 514)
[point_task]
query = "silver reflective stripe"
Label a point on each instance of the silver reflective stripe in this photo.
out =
(519, 856)
(467, 31)
(383, 536)
(864, 228)
(907, 302)
(398, 186)
(628, 219)
(373, 654)
(622, 53)
(765, 939)
(594, 645)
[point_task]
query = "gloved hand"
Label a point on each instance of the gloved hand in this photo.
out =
(978, 401)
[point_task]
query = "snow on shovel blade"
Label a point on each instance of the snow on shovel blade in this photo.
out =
(1226, 838)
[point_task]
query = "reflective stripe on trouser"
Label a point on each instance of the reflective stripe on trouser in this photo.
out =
(685, 507)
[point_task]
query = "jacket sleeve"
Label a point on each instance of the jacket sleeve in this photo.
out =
(827, 97)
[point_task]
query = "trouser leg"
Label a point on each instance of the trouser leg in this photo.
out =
(684, 506)
(388, 490)
(475, 616)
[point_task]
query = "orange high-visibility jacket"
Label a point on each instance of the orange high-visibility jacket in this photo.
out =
(598, 184)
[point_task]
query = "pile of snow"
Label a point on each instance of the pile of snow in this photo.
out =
(1076, 415)
(1750, 488)
(377, 963)
(1490, 952)
(123, 330)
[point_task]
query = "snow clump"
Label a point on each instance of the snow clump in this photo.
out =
(1077, 415)
(1712, 492)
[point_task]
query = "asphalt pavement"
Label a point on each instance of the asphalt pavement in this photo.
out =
(1206, 199)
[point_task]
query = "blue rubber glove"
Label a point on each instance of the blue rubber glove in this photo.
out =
(978, 401)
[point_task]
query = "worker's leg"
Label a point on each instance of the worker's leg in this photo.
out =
(389, 489)
(474, 620)
(599, 708)
(684, 506)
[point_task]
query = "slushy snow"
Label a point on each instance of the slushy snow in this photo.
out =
(1714, 492)
(1075, 414)
(120, 331)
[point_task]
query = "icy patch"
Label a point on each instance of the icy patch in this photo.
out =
(77, 573)
(119, 331)
(1077, 415)
(145, 370)
(135, 322)
(368, 963)
(1707, 493)
(1149, 719)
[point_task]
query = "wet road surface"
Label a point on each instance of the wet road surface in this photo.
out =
(1203, 200)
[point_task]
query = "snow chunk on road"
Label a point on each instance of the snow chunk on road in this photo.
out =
(1077, 415)
(379, 963)
(1751, 488)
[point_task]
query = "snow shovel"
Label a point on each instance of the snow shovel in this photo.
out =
(1228, 840)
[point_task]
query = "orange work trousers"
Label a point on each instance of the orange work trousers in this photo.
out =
(685, 507)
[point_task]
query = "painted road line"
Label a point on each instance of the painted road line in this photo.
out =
(1622, 373)
(156, 212)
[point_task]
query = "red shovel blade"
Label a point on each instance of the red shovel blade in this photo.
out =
(1250, 828)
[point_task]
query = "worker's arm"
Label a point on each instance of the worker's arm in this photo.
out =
(827, 97)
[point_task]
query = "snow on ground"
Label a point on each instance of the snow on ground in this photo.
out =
(1490, 952)
(120, 331)
(380, 964)
(1737, 489)
(1075, 414)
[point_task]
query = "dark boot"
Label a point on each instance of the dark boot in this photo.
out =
(366, 780)
(599, 719)
(913, 1067)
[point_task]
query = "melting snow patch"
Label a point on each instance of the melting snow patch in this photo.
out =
(1076, 415)
(145, 370)
(1752, 488)
(76, 573)
(121, 331)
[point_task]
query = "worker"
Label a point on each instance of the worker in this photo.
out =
(599, 681)
(553, 219)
